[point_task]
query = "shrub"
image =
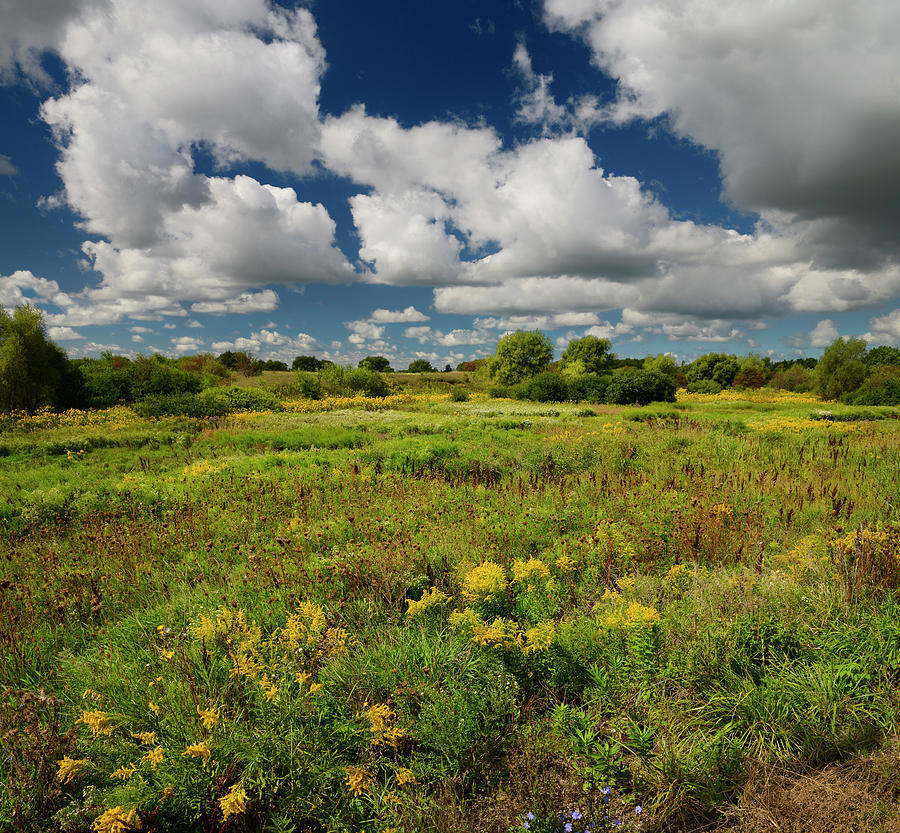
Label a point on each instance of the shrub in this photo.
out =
(589, 388)
(235, 399)
(179, 404)
(881, 388)
(704, 386)
(545, 387)
(309, 387)
(155, 377)
(640, 387)
(458, 395)
(720, 367)
(345, 381)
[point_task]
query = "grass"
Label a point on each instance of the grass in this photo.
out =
(423, 614)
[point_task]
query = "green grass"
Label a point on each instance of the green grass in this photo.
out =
(717, 590)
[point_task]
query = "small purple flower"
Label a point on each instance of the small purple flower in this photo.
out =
(638, 810)
(576, 814)
(606, 790)
(530, 817)
(526, 825)
(568, 827)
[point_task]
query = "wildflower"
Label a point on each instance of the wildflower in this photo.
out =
(198, 750)
(71, 768)
(430, 601)
(168, 792)
(269, 688)
(540, 637)
(234, 802)
(98, 722)
(484, 582)
(117, 820)
(89, 692)
(576, 814)
(209, 717)
(465, 620)
(568, 827)
(638, 810)
(530, 816)
(565, 564)
(381, 717)
(529, 571)
(153, 707)
(155, 756)
(124, 772)
(359, 779)
(147, 738)
(405, 776)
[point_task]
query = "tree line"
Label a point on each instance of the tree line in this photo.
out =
(36, 373)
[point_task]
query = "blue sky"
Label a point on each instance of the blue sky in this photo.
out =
(415, 179)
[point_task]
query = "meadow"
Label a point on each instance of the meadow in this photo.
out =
(412, 613)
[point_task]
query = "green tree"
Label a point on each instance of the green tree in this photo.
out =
(33, 370)
(662, 363)
(307, 363)
(377, 363)
(420, 366)
(883, 355)
(590, 353)
(842, 368)
(520, 355)
(721, 368)
(640, 387)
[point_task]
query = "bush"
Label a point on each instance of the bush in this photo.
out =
(545, 387)
(881, 388)
(589, 388)
(237, 399)
(309, 387)
(458, 395)
(720, 367)
(180, 404)
(704, 386)
(155, 377)
(640, 387)
(346, 381)
(104, 383)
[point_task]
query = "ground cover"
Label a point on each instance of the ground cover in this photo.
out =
(415, 613)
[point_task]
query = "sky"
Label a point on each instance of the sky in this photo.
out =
(415, 179)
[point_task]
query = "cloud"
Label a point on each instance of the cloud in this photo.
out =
(363, 331)
(186, 344)
(151, 84)
(798, 100)
(538, 322)
(885, 329)
(23, 287)
(454, 338)
(265, 300)
(407, 315)
(270, 344)
(6, 166)
(823, 334)
(63, 334)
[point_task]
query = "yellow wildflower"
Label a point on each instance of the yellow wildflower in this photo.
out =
(359, 779)
(198, 750)
(626, 582)
(117, 820)
(71, 768)
(540, 637)
(209, 717)
(315, 688)
(89, 692)
(168, 792)
(565, 564)
(405, 776)
(155, 756)
(153, 707)
(675, 572)
(465, 620)
(432, 600)
(124, 772)
(147, 738)
(638, 614)
(530, 571)
(381, 718)
(234, 802)
(498, 632)
(484, 582)
(98, 722)
(269, 688)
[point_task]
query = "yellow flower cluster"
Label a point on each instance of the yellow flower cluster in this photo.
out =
(111, 419)
(71, 768)
(540, 637)
(797, 424)
(381, 718)
(757, 395)
(529, 572)
(118, 820)
(97, 721)
(809, 551)
(209, 717)
(612, 540)
(430, 601)
(201, 468)
(305, 627)
(359, 779)
(147, 738)
(198, 750)
(634, 614)
(155, 756)
(234, 802)
(484, 582)
(499, 632)
(124, 772)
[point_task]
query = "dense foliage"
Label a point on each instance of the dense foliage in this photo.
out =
(519, 356)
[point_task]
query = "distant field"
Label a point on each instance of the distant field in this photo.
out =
(416, 614)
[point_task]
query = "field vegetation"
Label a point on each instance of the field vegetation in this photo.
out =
(436, 610)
